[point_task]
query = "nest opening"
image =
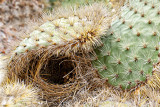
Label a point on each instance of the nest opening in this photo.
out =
(58, 70)
(57, 76)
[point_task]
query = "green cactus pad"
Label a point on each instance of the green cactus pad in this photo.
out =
(131, 49)
(50, 33)
(74, 29)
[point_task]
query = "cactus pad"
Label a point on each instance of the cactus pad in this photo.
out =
(72, 30)
(131, 49)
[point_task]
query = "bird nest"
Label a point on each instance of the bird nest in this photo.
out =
(57, 76)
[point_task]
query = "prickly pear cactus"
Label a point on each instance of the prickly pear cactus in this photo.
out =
(52, 33)
(72, 29)
(131, 49)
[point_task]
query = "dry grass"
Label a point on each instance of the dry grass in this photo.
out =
(58, 77)
(147, 95)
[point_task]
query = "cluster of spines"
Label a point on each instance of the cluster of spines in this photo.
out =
(13, 94)
(76, 30)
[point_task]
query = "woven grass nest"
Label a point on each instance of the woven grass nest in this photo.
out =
(57, 77)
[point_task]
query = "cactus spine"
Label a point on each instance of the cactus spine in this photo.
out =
(131, 49)
(15, 94)
(76, 29)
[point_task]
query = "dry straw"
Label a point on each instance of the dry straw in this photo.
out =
(147, 95)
